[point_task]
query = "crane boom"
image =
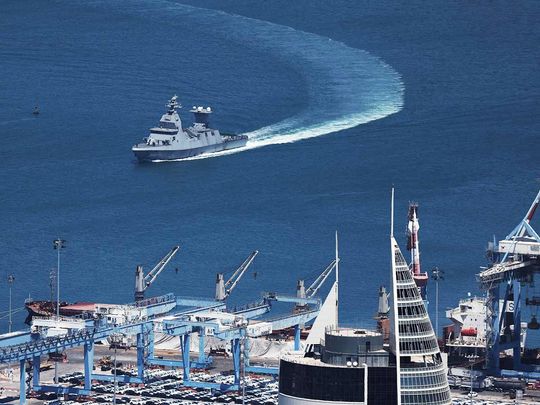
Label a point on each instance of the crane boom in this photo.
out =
(152, 274)
(533, 208)
(524, 226)
(224, 289)
(319, 281)
(304, 297)
(142, 282)
(237, 275)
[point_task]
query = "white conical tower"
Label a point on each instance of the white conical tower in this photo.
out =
(421, 371)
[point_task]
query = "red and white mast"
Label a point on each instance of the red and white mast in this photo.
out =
(413, 226)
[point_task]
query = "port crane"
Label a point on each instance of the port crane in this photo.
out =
(230, 327)
(27, 348)
(224, 289)
(515, 263)
(313, 289)
(142, 281)
(304, 296)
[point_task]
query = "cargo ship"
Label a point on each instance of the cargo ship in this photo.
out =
(467, 335)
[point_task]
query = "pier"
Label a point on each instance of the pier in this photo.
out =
(169, 315)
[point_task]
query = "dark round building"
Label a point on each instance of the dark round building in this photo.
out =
(350, 366)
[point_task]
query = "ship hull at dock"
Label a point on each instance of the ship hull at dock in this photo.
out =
(145, 153)
(48, 308)
(41, 308)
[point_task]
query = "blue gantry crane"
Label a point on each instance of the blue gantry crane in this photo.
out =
(306, 309)
(140, 319)
(29, 346)
(229, 327)
(515, 265)
(223, 291)
(146, 316)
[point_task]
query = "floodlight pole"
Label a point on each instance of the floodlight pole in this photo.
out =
(58, 244)
(10, 279)
(437, 275)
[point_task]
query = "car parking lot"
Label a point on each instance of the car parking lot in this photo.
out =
(165, 387)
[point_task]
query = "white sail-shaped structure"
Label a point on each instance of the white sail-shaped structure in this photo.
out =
(327, 318)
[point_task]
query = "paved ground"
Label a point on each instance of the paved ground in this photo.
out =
(485, 396)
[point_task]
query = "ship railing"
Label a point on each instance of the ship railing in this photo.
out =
(60, 318)
(247, 306)
(155, 300)
(85, 315)
(467, 300)
(285, 316)
(470, 342)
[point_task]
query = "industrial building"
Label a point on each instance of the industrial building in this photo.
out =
(351, 366)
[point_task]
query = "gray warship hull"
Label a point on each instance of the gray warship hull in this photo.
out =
(150, 154)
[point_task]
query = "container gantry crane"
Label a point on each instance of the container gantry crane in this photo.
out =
(142, 281)
(515, 263)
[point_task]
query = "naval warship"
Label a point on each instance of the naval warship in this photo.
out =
(169, 141)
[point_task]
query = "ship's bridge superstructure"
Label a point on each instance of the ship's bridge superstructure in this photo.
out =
(169, 126)
(469, 323)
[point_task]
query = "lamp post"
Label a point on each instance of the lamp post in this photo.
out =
(10, 280)
(243, 365)
(472, 359)
(115, 379)
(52, 282)
(58, 244)
(115, 340)
(437, 275)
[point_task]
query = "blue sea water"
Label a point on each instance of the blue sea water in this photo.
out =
(341, 99)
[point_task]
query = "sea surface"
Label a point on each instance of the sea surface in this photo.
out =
(341, 100)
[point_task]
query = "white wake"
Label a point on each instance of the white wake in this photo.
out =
(345, 86)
